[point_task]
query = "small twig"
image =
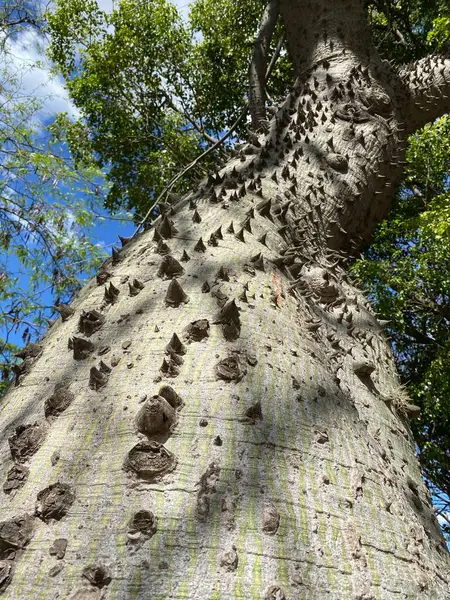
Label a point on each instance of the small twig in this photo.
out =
(191, 120)
(24, 322)
(401, 38)
(274, 58)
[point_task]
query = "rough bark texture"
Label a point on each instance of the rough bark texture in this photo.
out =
(229, 424)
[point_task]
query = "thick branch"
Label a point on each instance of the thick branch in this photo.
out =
(258, 66)
(428, 83)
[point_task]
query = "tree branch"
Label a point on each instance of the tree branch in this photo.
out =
(431, 305)
(174, 179)
(258, 65)
(428, 84)
(191, 120)
(5, 24)
(418, 336)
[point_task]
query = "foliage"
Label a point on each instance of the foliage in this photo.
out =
(128, 71)
(439, 35)
(17, 16)
(221, 58)
(154, 92)
(46, 207)
(406, 30)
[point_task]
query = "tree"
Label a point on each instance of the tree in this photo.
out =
(46, 205)
(207, 91)
(45, 218)
(152, 95)
(17, 16)
(243, 431)
(153, 92)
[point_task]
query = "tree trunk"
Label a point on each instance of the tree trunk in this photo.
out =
(289, 469)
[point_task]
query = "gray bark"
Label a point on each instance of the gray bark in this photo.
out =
(288, 469)
(258, 67)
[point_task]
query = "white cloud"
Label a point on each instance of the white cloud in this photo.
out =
(26, 55)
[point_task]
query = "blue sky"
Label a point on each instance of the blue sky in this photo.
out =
(24, 51)
(26, 54)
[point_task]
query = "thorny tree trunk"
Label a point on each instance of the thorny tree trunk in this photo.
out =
(289, 470)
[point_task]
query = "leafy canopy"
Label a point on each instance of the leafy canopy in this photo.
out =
(155, 92)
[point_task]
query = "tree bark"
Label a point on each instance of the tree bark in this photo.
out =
(289, 469)
(258, 67)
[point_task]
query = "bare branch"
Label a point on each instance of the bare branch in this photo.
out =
(401, 38)
(274, 58)
(418, 336)
(258, 65)
(174, 179)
